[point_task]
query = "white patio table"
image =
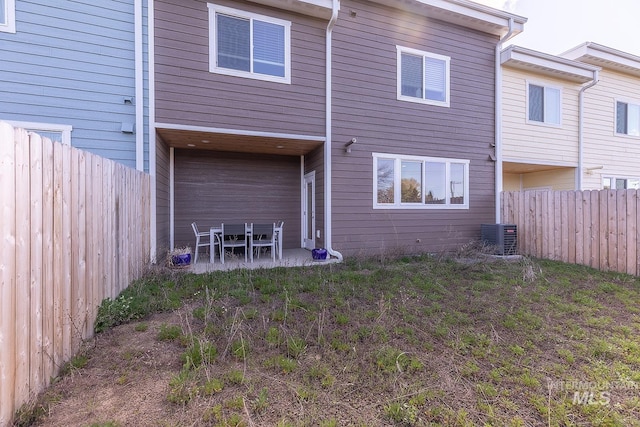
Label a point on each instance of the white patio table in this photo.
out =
(218, 231)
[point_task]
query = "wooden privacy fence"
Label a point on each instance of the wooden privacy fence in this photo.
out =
(75, 230)
(594, 228)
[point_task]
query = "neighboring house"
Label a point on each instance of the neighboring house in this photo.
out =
(611, 119)
(367, 126)
(70, 71)
(541, 125)
(572, 121)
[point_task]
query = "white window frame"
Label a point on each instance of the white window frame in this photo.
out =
(614, 178)
(10, 14)
(628, 102)
(446, 59)
(213, 44)
(45, 127)
(398, 204)
(545, 87)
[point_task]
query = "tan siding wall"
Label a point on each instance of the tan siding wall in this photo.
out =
(618, 155)
(187, 93)
(511, 182)
(563, 179)
(365, 107)
(532, 142)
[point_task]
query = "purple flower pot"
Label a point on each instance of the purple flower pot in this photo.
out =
(182, 259)
(319, 254)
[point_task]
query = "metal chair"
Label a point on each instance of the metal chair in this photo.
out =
(233, 236)
(263, 236)
(203, 238)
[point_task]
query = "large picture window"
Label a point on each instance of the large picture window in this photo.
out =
(544, 104)
(249, 45)
(423, 77)
(412, 182)
(627, 118)
(8, 16)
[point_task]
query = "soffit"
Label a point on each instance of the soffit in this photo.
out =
(549, 65)
(605, 57)
(519, 168)
(462, 12)
(221, 141)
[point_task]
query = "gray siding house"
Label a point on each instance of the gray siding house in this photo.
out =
(75, 72)
(367, 126)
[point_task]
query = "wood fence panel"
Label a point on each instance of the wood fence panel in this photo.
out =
(36, 361)
(572, 214)
(600, 229)
(621, 225)
(631, 232)
(74, 229)
(23, 266)
(47, 258)
(7, 273)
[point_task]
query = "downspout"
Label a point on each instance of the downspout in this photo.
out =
(335, 7)
(152, 129)
(594, 82)
(139, 90)
(498, 120)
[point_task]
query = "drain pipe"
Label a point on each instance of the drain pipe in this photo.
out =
(594, 82)
(335, 7)
(498, 120)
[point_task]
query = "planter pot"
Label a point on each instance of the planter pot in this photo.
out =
(181, 260)
(319, 254)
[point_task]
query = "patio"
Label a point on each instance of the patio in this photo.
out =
(297, 257)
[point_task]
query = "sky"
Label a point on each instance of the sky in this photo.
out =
(555, 26)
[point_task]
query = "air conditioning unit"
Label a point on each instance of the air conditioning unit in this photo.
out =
(502, 237)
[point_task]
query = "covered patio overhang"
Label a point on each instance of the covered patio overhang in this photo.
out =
(523, 168)
(239, 141)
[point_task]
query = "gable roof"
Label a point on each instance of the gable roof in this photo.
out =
(605, 57)
(549, 65)
(460, 12)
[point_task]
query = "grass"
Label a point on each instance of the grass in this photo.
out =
(417, 341)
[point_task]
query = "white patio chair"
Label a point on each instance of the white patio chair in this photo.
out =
(203, 238)
(234, 236)
(263, 236)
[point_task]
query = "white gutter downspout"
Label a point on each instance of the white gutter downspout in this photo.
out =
(152, 129)
(335, 7)
(498, 120)
(580, 127)
(139, 82)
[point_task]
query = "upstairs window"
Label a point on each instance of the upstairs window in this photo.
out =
(248, 45)
(423, 77)
(627, 119)
(412, 182)
(8, 16)
(544, 104)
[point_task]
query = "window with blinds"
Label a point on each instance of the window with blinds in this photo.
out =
(544, 104)
(627, 118)
(423, 77)
(249, 45)
(8, 16)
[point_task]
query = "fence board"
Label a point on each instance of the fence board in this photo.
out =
(7, 273)
(63, 229)
(572, 214)
(36, 361)
(23, 266)
(600, 229)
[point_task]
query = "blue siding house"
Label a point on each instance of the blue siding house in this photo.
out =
(75, 72)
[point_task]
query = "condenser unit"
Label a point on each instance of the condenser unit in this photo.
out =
(502, 237)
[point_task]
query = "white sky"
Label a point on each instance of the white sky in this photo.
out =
(555, 26)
